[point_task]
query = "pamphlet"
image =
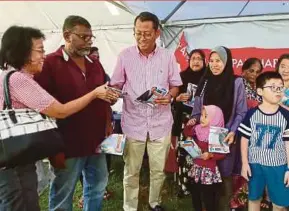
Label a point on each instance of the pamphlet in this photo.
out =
(114, 144)
(216, 140)
(191, 91)
(118, 91)
(191, 147)
(150, 95)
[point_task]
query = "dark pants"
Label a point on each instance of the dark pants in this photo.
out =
(18, 189)
(226, 194)
(205, 194)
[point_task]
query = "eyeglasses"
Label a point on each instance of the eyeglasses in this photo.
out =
(85, 38)
(275, 88)
(198, 59)
(39, 50)
(144, 35)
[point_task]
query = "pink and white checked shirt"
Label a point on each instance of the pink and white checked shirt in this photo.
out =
(25, 92)
(136, 74)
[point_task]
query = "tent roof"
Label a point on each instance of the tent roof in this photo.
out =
(49, 15)
(208, 9)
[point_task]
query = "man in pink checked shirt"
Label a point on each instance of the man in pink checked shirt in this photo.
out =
(138, 69)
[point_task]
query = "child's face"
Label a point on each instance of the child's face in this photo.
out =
(204, 120)
(272, 91)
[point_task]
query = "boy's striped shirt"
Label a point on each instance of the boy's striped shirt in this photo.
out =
(266, 134)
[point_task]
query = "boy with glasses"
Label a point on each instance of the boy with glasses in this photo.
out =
(265, 145)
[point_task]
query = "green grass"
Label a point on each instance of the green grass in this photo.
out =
(170, 201)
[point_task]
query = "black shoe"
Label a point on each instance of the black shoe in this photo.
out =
(157, 208)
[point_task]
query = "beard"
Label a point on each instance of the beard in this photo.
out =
(79, 51)
(82, 52)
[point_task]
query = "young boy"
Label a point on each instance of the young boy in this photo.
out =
(265, 145)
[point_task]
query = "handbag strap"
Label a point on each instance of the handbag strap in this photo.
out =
(6, 89)
(7, 98)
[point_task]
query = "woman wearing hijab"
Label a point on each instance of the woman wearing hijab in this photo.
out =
(192, 75)
(220, 87)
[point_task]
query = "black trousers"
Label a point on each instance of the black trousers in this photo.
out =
(204, 194)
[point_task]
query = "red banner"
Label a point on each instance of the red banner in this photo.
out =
(268, 57)
(181, 53)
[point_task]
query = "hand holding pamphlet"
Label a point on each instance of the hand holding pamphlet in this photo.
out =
(150, 96)
(118, 91)
(216, 140)
(192, 148)
(191, 91)
(114, 144)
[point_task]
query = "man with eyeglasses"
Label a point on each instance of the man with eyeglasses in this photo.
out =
(67, 74)
(138, 69)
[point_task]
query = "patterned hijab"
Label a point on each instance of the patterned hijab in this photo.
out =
(216, 118)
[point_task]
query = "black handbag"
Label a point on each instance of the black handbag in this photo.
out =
(26, 136)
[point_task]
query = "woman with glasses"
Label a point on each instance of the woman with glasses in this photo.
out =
(22, 50)
(182, 110)
(282, 67)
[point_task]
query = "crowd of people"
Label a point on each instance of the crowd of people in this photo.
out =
(71, 85)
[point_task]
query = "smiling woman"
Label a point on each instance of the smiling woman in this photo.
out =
(22, 50)
(220, 87)
(282, 67)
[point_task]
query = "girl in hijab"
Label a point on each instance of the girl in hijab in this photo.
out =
(205, 177)
(192, 75)
(220, 87)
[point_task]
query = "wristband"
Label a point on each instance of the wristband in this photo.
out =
(287, 169)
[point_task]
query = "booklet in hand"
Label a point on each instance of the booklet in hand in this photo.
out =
(191, 91)
(191, 147)
(149, 96)
(114, 144)
(118, 91)
(216, 140)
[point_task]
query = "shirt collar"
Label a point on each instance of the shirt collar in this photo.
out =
(66, 56)
(26, 73)
(151, 54)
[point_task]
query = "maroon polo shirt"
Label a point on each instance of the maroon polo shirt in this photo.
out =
(63, 79)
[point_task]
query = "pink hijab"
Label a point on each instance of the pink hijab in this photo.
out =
(216, 118)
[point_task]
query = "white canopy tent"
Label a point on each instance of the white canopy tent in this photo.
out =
(206, 23)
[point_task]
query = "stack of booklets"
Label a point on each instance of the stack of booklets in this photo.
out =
(149, 96)
(216, 140)
(191, 147)
(114, 144)
(191, 91)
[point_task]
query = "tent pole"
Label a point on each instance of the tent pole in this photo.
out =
(243, 8)
(121, 7)
(173, 12)
(174, 37)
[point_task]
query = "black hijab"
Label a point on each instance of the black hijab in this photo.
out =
(190, 76)
(219, 89)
